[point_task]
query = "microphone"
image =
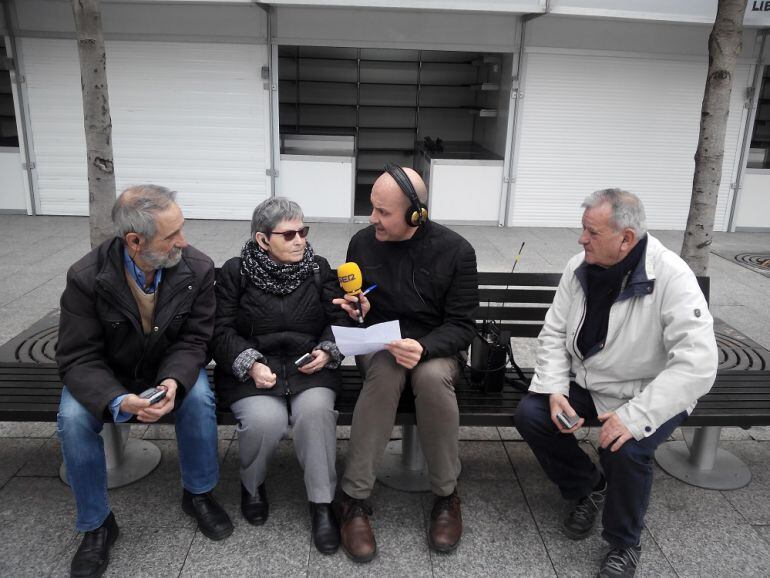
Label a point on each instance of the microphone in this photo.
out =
(349, 276)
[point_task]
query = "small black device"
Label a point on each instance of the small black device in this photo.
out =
(568, 421)
(153, 395)
(305, 359)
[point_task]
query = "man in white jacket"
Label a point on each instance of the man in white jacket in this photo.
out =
(628, 340)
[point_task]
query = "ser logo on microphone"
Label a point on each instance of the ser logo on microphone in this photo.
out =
(349, 275)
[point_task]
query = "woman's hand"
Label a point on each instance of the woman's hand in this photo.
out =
(263, 377)
(320, 359)
(349, 304)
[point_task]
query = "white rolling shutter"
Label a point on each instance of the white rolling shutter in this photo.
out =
(590, 122)
(192, 117)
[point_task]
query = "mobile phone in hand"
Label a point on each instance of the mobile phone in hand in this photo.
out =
(153, 395)
(568, 421)
(305, 359)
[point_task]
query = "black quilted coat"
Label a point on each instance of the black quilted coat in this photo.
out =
(280, 327)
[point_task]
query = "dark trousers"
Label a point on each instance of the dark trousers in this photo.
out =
(628, 471)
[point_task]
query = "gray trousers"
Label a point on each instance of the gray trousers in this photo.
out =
(263, 420)
(438, 420)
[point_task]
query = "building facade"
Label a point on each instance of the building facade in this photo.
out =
(513, 111)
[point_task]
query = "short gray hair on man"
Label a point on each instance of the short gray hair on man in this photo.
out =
(627, 209)
(272, 211)
(135, 209)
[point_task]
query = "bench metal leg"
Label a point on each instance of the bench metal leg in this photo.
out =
(128, 459)
(403, 465)
(699, 461)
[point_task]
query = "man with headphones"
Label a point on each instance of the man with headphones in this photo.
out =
(137, 314)
(426, 279)
(629, 341)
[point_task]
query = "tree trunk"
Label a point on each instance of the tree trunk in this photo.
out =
(725, 44)
(96, 117)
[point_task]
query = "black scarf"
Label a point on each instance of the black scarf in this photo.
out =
(604, 285)
(271, 276)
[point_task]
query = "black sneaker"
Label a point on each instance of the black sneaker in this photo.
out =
(581, 520)
(620, 562)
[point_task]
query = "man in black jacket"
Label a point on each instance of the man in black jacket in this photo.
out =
(137, 312)
(426, 279)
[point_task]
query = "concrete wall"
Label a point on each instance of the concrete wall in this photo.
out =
(396, 29)
(625, 36)
(172, 21)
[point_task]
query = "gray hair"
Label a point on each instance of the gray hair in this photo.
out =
(627, 209)
(135, 209)
(271, 212)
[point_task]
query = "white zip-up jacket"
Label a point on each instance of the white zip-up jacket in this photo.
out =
(660, 354)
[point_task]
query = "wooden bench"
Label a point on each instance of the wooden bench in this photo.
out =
(517, 302)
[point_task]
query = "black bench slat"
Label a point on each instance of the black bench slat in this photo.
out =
(506, 279)
(511, 313)
(543, 296)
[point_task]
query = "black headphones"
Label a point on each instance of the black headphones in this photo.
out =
(417, 213)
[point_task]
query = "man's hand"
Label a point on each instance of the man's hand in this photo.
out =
(152, 413)
(262, 375)
(320, 359)
(613, 430)
(407, 352)
(349, 305)
(559, 404)
(133, 404)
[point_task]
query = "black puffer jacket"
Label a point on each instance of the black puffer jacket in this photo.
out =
(429, 283)
(280, 327)
(102, 351)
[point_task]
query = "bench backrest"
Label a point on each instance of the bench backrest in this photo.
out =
(518, 302)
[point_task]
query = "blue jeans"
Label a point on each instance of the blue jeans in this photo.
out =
(83, 450)
(628, 471)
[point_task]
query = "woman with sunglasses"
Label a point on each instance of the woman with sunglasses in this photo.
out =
(277, 361)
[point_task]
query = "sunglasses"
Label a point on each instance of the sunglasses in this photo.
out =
(289, 235)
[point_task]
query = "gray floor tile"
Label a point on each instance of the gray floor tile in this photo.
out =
(701, 533)
(160, 431)
(761, 433)
(31, 429)
(401, 534)
(285, 536)
(14, 453)
(37, 523)
(44, 461)
(571, 558)
(509, 434)
(160, 493)
(500, 537)
(764, 532)
(753, 501)
(343, 432)
(140, 551)
(485, 461)
(479, 434)
(138, 430)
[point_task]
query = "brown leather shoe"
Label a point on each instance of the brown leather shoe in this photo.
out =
(356, 536)
(446, 523)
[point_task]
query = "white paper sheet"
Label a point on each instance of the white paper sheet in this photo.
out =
(360, 340)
